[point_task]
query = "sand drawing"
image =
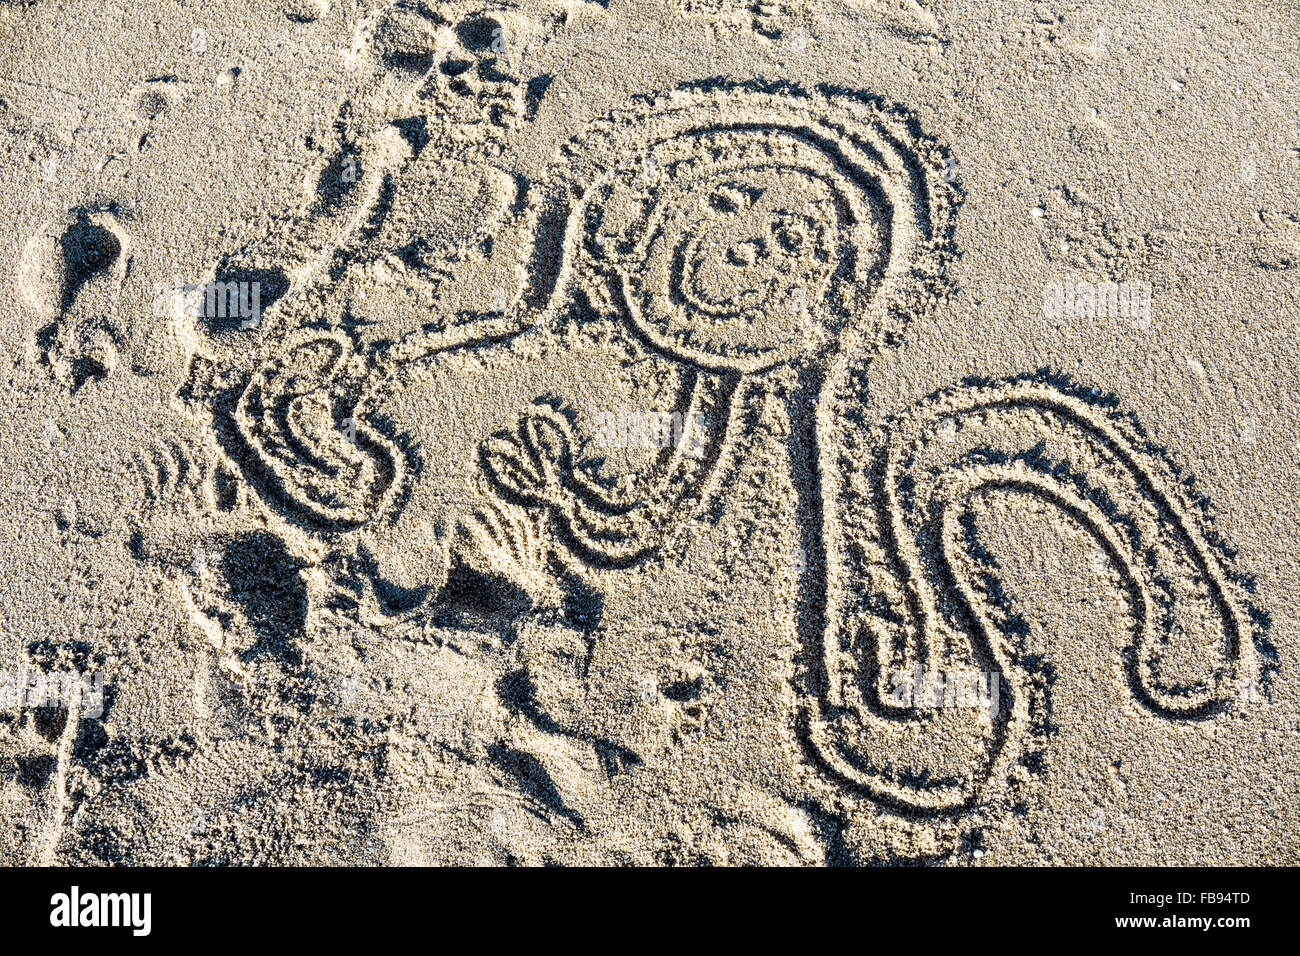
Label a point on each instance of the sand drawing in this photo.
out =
(738, 230)
(845, 432)
(285, 419)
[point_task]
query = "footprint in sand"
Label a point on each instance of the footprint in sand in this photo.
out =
(438, 91)
(69, 273)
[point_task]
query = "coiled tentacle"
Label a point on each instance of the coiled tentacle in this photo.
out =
(298, 436)
(535, 467)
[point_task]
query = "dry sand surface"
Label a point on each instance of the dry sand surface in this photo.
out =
(698, 431)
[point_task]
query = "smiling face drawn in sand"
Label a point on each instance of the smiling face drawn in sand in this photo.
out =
(732, 231)
(736, 264)
(741, 243)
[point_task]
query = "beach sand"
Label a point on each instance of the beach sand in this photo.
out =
(811, 432)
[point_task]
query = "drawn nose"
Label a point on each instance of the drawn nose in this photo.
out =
(747, 253)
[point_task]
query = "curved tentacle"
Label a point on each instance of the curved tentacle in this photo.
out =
(301, 442)
(1190, 626)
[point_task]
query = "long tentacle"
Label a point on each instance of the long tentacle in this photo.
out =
(903, 594)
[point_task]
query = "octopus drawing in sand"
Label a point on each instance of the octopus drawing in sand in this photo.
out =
(733, 232)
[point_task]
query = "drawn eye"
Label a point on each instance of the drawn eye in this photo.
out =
(746, 253)
(790, 233)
